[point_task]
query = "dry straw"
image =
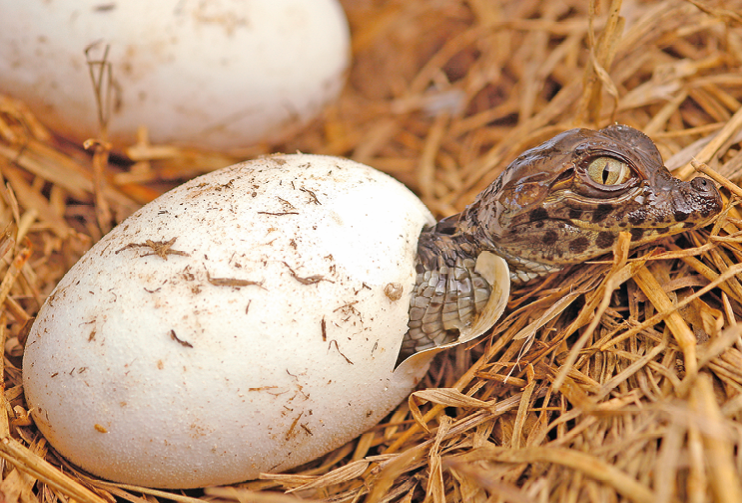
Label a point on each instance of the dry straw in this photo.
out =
(619, 380)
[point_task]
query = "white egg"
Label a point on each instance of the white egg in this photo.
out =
(221, 74)
(247, 321)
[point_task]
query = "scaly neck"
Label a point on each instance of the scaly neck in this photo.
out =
(448, 293)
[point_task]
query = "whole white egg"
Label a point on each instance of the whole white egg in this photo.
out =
(247, 321)
(220, 74)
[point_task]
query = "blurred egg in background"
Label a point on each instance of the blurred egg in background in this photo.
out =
(216, 74)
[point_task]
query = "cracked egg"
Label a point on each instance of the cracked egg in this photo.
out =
(247, 321)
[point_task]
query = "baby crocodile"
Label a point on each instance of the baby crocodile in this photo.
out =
(562, 202)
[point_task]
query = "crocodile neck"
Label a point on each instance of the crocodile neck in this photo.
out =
(448, 293)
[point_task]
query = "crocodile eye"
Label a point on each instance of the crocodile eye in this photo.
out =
(608, 171)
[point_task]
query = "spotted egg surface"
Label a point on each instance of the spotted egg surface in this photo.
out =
(247, 321)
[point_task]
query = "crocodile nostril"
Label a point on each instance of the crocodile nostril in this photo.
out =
(703, 185)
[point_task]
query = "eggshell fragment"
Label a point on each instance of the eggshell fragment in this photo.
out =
(221, 74)
(247, 321)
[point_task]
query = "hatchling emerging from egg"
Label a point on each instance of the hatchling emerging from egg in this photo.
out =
(259, 316)
(561, 203)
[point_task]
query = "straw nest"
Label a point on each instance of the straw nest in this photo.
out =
(614, 381)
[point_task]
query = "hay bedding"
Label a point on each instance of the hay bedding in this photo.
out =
(614, 381)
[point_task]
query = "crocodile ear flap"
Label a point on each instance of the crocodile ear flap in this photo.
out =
(448, 225)
(634, 139)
